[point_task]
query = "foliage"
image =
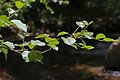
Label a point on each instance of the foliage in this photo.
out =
(28, 49)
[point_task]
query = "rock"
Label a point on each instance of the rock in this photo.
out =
(112, 59)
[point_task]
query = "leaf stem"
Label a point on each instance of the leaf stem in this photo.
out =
(76, 30)
(83, 41)
(46, 50)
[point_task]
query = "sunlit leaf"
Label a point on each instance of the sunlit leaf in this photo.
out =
(62, 33)
(43, 1)
(20, 25)
(4, 50)
(74, 46)
(80, 24)
(37, 42)
(77, 35)
(88, 47)
(68, 40)
(9, 44)
(33, 0)
(108, 40)
(4, 21)
(1, 36)
(53, 46)
(19, 4)
(25, 55)
(100, 36)
(88, 35)
(48, 39)
(63, 2)
(90, 22)
(42, 36)
(81, 44)
(31, 46)
(10, 11)
(53, 41)
(85, 22)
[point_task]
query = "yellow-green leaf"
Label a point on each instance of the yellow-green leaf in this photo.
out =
(1, 36)
(4, 50)
(19, 4)
(42, 36)
(31, 46)
(53, 46)
(53, 41)
(108, 40)
(62, 33)
(100, 36)
(74, 46)
(88, 47)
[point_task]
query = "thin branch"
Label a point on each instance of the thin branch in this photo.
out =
(46, 50)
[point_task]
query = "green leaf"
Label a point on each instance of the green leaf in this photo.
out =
(9, 44)
(53, 41)
(50, 9)
(88, 47)
(19, 4)
(4, 21)
(20, 25)
(77, 35)
(63, 2)
(35, 56)
(43, 1)
(4, 50)
(33, 0)
(100, 36)
(48, 39)
(37, 42)
(23, 35)
(2, 1)
(74, 46)
(31, 46)
(108, 40)
(62, 33)
(10, 11)
(90, 22)
(1, 36)
(3, 17)
(88, 35)
(68, 40)
(82, 44)
(53, 46)
(85, 22)
(42, 36)
(80, 24)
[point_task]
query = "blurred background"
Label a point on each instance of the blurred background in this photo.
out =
(104, 13)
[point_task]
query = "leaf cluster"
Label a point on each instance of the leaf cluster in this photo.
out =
(31, 53)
